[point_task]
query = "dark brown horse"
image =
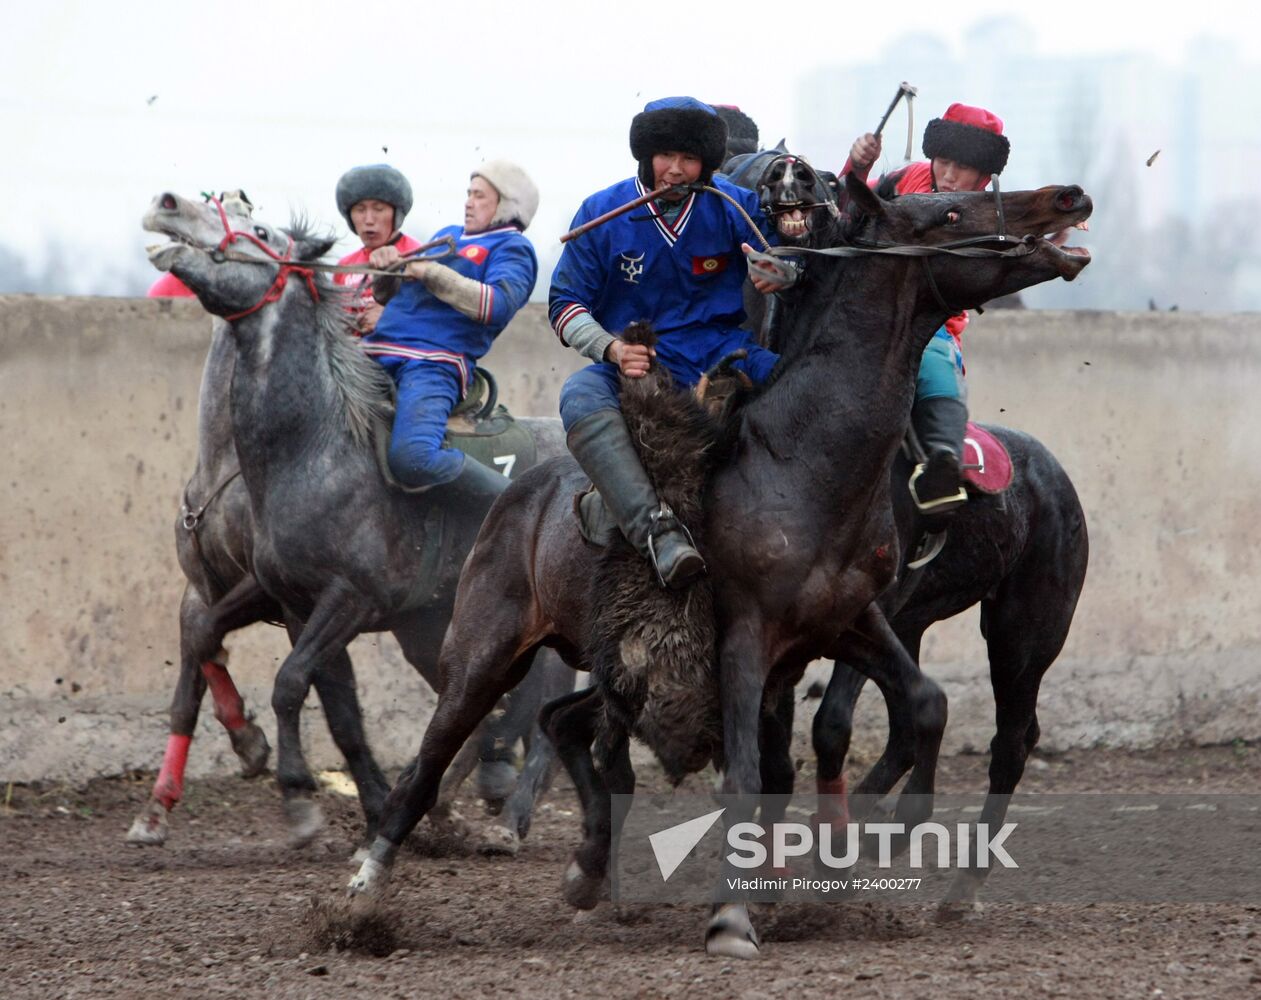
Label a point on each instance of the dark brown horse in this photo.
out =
(1021, 555)
(799, 524)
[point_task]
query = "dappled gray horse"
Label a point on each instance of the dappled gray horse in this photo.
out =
(332, 549)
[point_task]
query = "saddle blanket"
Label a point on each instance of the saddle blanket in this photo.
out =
(987, 467)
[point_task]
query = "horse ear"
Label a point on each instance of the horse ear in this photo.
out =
(781, 146)
(862, 196)
(313, 247)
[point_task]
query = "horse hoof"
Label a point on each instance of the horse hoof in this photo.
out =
(360, 856)
(496, 780)
(731, 934)
(150, 827)
(582, 891)
(250, 745)
(951, 911)
(370, 881)
(305, 820)
(499, 840)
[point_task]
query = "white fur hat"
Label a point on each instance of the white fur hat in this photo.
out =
(518, 197)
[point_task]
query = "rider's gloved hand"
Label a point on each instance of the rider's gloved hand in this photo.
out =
(769, 273)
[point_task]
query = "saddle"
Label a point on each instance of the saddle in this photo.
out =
(987, 467)
(480, 427)
(483, 429)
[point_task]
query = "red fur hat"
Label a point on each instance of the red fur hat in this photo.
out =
(968, 135)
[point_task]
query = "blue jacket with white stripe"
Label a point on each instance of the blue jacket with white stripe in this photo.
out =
(417, 324)
(686, 277)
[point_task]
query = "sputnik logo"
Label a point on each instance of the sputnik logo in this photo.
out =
(671, 846)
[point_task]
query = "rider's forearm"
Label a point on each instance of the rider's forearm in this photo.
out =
(588, 337)
(466, 295)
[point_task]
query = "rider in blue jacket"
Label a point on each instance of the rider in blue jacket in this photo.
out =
(436, 327)
(678, 263)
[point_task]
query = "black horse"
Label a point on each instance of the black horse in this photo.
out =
(799, 533)
(309, 533)
(1021, 554)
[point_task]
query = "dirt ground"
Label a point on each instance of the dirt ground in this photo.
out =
(226, 910)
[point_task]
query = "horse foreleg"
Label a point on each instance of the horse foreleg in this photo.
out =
(570, 722)
(338, 617)
(489, 666)
(249, 742)
(1019, 657)
(541, 759)
(873, 647)
(779, 777)
(201, 636)
(741, 680)
(830, 734)
(335, 685)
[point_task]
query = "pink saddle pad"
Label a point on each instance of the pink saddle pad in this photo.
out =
(986, 464)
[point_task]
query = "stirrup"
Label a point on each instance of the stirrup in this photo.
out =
(931, 506)
(928, 548)
(664, 520)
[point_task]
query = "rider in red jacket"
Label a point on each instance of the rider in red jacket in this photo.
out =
(965, 148)
(374, 200)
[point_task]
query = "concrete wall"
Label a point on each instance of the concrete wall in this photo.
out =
(1154, 415)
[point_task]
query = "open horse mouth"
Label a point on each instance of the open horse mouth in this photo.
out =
(1068, 260)
(792, 222)
(163, 218)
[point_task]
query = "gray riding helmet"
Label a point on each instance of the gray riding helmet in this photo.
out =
(379, 181)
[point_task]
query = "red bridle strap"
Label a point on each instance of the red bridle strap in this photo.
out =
(287, 266)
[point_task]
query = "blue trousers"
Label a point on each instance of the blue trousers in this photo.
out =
(941, 370)
(596, 387)
(427, 392)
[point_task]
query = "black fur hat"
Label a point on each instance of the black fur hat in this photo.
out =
(678, 124)
(967, 135)
(742, 135)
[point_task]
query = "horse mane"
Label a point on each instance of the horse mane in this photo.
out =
(364, 387)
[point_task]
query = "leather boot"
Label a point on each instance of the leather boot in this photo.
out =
(603, 447)
(940, 424)
(476, 486)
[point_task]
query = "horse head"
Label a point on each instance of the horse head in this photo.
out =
(986, 249)
(233, 263)
(791, 192)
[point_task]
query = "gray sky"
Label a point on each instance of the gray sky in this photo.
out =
(103, 105)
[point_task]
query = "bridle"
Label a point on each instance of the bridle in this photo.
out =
(764, 188)
(305, 269)
(972, 246)
(286, 262)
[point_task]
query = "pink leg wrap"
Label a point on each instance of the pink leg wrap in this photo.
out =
(169, 788)
(229, 706)
(833, 802)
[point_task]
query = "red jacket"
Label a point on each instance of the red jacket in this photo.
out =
(405, 245)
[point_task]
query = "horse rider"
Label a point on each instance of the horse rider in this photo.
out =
(437, 326)
(679, 264)
(742, 132)
(374, 200)
(170, 287)
(965, 148)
